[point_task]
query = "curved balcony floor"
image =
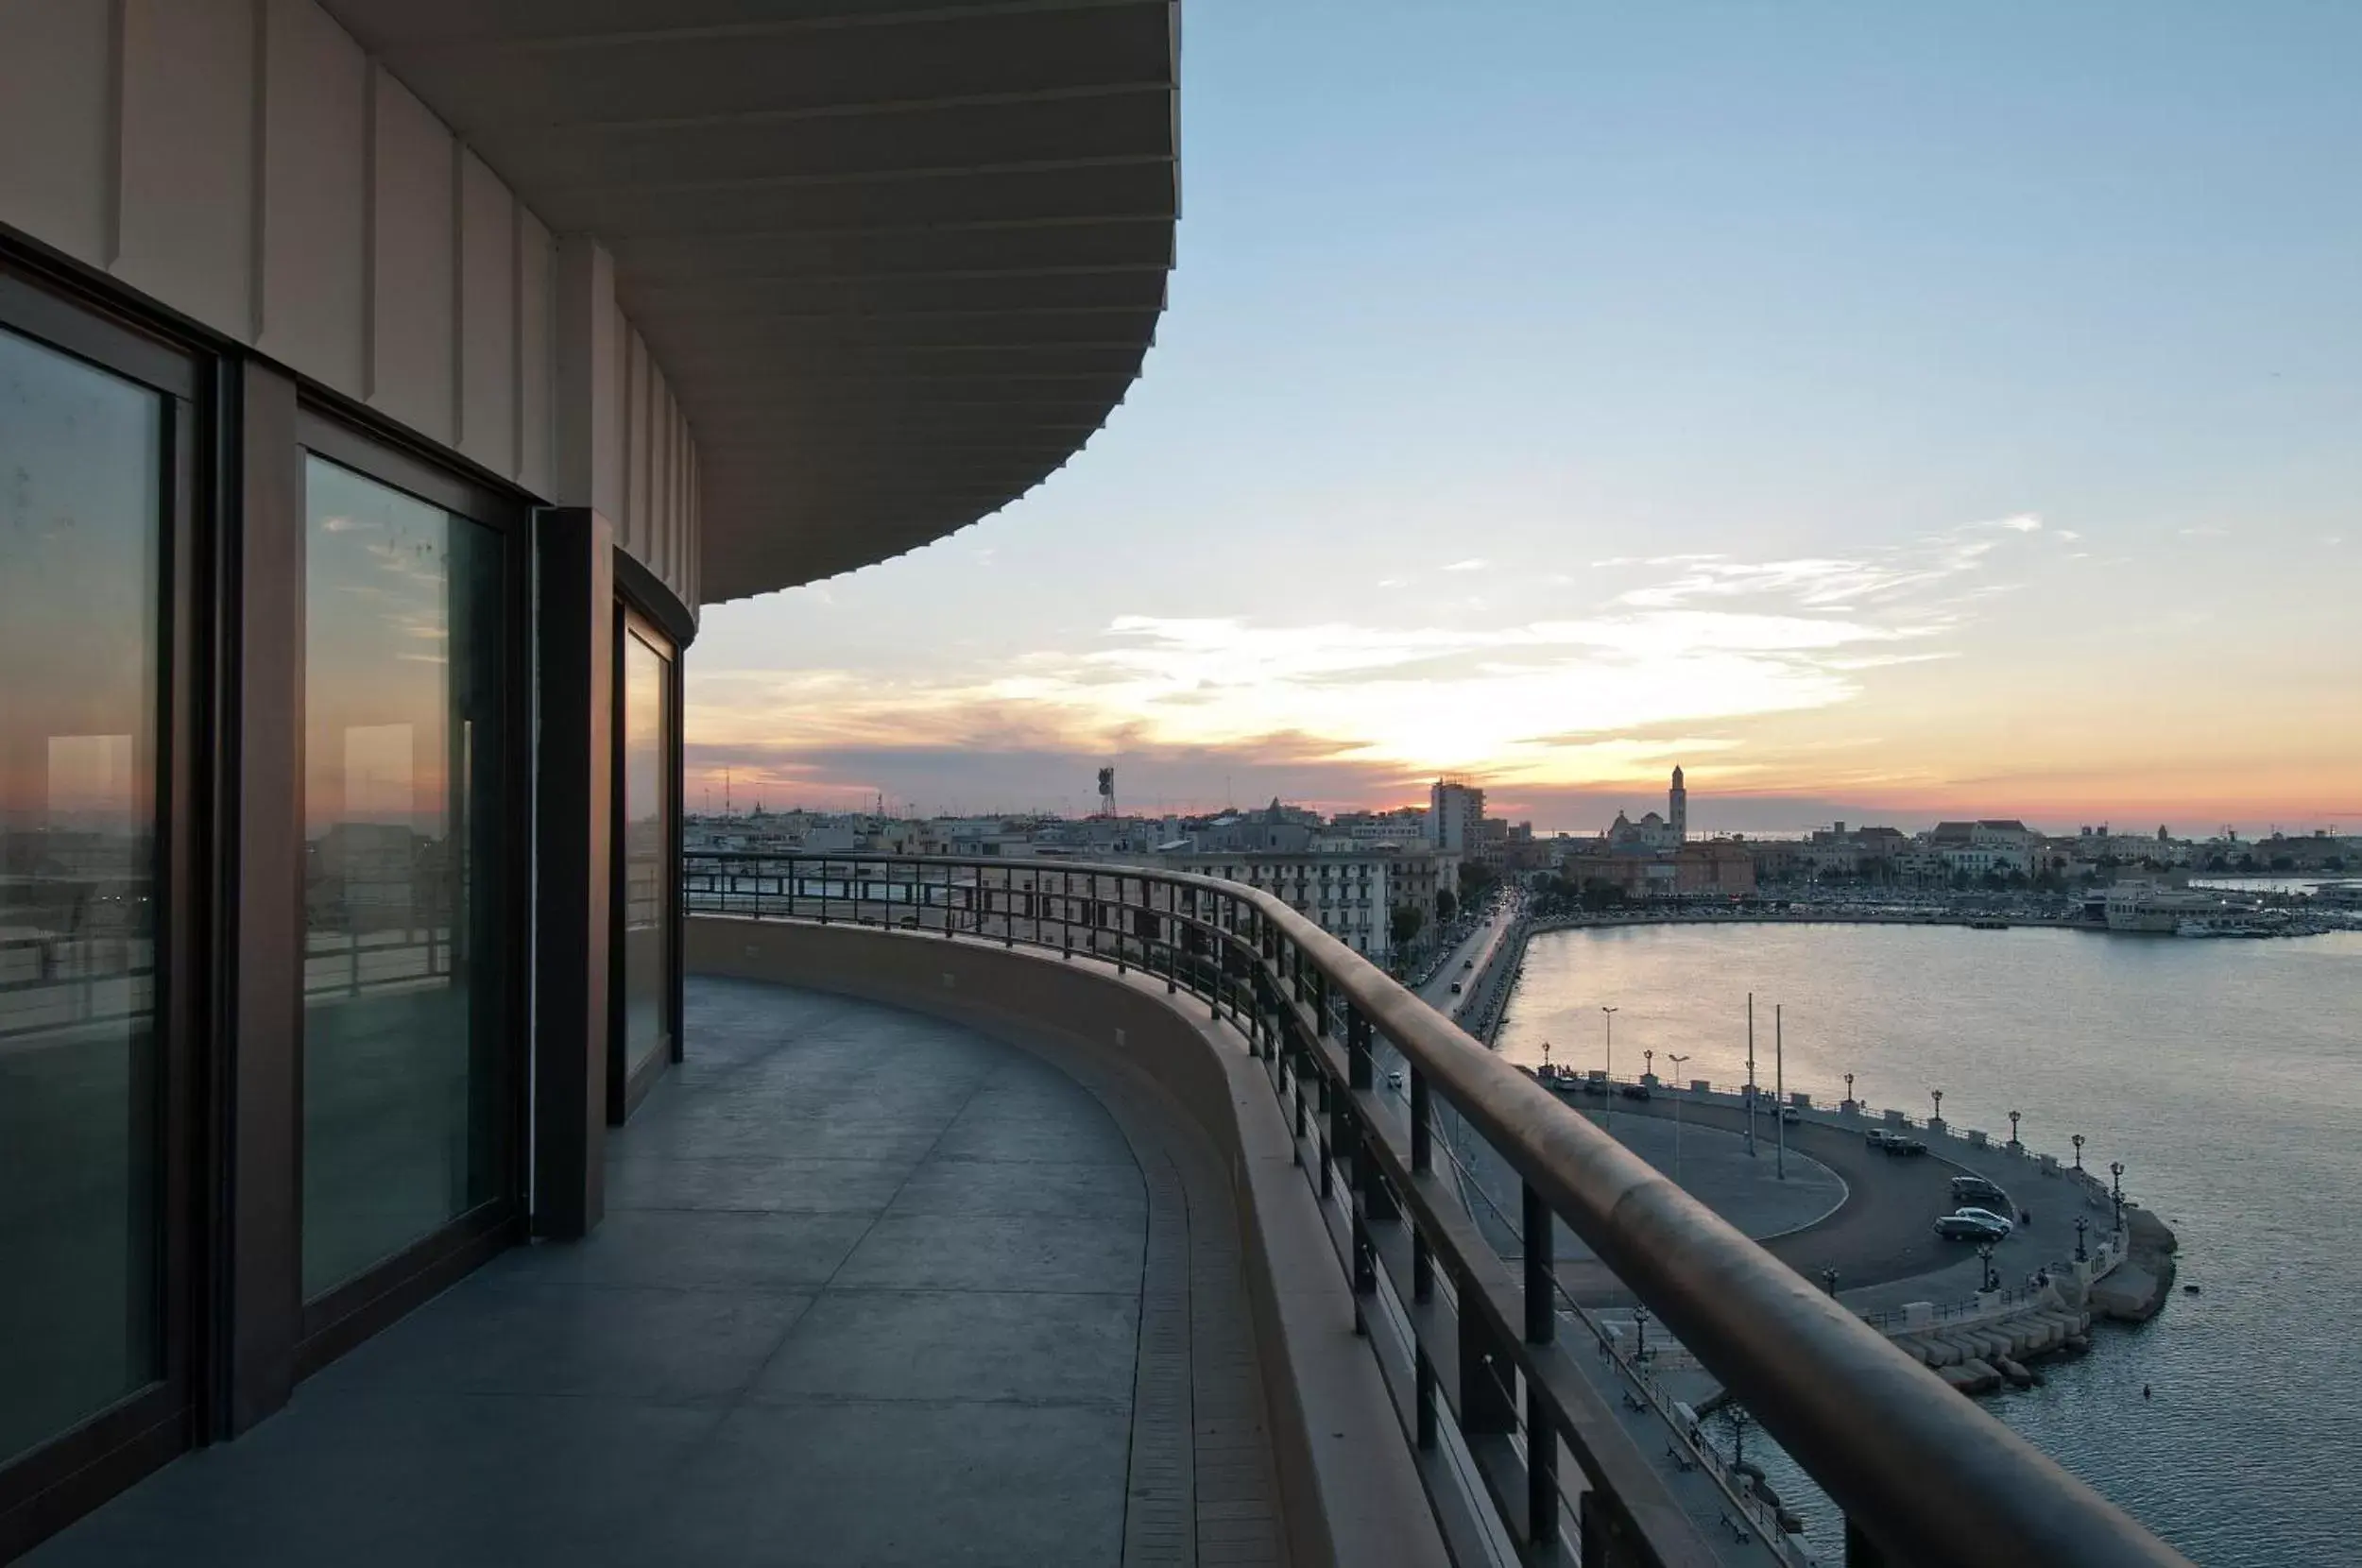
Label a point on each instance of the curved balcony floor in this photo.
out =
(871, 1288)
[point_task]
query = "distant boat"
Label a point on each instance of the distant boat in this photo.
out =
(2147, 906)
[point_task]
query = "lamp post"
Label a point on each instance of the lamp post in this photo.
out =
(1648, 1066)
(2013, 1116)
(1849, 1089)
(1828, 1282)
(1984, 1256)
(2116, 1170)
(2077, 1142)
(1936, 1121)
(1610, 1066)
(1679, 1061)
(1641, 1332)
(1737, 1416)
(2082, 1224)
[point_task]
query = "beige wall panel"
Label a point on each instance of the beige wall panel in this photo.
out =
(188, 172)
(535, 304)
(314, 306)
(659, 460)
(635, 450)
(487, 316)
(413, 299)
(586, 389)
(56, 124)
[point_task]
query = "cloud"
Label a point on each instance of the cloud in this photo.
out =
(1390, 582)
(2025, 522)
(1474, 563)
(2205, 531)
(1555, 701)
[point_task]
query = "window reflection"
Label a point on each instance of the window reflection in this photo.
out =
(405, 981)
(646, 852)
(80, 522)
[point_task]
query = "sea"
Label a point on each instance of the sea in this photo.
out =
(2226, 1075)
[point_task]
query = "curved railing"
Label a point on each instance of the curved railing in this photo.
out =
(1922, 1474)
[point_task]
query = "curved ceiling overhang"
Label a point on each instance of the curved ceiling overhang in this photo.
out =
(898, 258)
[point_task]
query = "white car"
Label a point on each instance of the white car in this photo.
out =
(1986, 1215)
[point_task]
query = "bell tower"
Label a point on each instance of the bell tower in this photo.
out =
(1677, 813)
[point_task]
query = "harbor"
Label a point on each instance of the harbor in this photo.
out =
(2213, 1071)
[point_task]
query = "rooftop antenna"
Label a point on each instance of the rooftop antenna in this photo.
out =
(725, 792)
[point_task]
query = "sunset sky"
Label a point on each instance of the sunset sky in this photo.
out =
(1886, 412)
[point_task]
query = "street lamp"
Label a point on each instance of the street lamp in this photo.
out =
(1937, 1095)
(2013, 1116)
(2077, 1142)
(2082, 1224)
(1678, 1062)
(1828, 1281)
(1984, 1256)
(1648, 1066)
(2115, 1169)
(1609, 1122)
(1640, 1331)
(1849, 1088)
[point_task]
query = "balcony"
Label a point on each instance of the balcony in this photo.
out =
(872, 1287)
(1046, 1213)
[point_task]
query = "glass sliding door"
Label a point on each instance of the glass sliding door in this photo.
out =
(408, 967)
(648, 885)
(84, 489)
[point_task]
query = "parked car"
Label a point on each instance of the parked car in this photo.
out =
(1634, 1091)
(1970, 1226)
(1986, 1215)
(1977, 1190)
(1789, 1116)
(1893, 1143)
(1455, 988)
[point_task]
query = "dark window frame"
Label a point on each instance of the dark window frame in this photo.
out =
(348, 1314)
(48, 1486)
(625, 1089)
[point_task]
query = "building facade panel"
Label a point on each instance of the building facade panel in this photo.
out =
(414, 295)
(314, 304)
(487, 316)
(535, 301)
(185, 224)
(57, 67)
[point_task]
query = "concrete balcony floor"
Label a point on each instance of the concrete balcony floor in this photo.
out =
(872, 1289)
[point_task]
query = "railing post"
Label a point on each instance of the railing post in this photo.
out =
(1540, 1279)
(1541, 1328)
(1422, 1124)
(1485, 1371)
(1357, 1065)
(1541, 1470)
(1423, 1394)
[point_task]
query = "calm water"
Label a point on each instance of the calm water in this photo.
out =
(2226, 1075)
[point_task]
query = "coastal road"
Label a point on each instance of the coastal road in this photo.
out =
(1883, 1232)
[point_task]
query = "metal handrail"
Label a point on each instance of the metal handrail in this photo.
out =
(1922, 1474)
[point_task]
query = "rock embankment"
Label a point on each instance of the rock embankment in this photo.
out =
(2135, 1290)
(1980, 1357)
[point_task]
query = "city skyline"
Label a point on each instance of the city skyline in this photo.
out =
(1558, 400)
